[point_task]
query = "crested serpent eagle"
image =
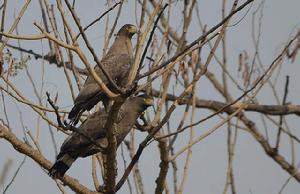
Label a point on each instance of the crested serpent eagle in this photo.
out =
(78, 145)
(117, 63)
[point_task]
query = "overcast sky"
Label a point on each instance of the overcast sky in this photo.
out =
(254, 171)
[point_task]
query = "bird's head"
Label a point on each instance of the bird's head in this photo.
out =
(148, 101)
(127, 30)
(145, 101)
(138, 103)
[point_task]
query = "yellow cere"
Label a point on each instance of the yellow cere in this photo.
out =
(132, 29)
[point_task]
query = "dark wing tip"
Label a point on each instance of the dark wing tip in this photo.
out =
(58, 170)
(74, 112)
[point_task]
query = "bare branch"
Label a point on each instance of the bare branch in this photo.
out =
(41, 160)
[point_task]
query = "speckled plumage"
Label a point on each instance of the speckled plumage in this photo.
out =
(77, 145)
(117, 63)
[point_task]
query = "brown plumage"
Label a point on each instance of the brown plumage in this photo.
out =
(77, 145)
(117, 63)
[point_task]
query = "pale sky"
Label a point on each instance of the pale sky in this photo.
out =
(254, 171)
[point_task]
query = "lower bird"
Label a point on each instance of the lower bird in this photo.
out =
(79, 145)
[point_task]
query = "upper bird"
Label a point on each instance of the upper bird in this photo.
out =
(77, 145)
(117, 63)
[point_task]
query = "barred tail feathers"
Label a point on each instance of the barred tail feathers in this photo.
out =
(61, 166)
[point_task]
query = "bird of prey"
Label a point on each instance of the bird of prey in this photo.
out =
(117, 63)
(78, 145)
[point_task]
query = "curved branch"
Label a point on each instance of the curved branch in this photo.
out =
(34, 154)
(217, 105)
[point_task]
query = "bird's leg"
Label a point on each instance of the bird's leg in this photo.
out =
(141, 127)
(143, 118)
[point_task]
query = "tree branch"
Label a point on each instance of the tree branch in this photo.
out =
(34, 154)
(217, 105)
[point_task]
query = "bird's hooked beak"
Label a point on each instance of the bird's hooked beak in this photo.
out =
(149, 101)
(132, 29)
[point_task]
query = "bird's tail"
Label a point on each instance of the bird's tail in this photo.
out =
(74, 113)
(60, 167)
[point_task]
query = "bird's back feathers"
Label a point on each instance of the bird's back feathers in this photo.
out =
(78, 145)
(117, 66)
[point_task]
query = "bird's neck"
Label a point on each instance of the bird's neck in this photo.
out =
(122, 45)
(133, 112)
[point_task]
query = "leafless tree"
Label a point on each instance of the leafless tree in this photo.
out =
(170, 66)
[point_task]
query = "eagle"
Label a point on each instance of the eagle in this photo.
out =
(79, 145)
(117, 63)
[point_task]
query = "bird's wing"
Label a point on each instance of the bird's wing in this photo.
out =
(93, 127)
(117, 66)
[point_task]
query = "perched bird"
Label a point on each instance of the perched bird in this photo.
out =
(78, 145)
(117, 63)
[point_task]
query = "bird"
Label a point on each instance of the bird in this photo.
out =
(117, 63)
(78, 145)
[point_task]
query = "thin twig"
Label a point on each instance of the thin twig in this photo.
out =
(70, 127)
(26, 149)
(14, 25)
(96, 59)
(286, 88)
(15, 175)
(98, 19)
(201, 38)
(150, 37)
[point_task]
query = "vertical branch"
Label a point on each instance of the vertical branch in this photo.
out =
(65, 21)
(101, 159)
(37, 94)
(230, 146)
(16, 21)
(125, 164)
(5, 170)
(286, 88)
(111, 149)
(45, 23)
(142, 18)
(59, 54)
(106, 43)
(189, 154)
(75, 72)
(138, 58)
(4, 108)
(164, 165)
(15, 175)
(106, 33)
(136, 171)
(188, 157)
(187, 15)
(96, 59)
(3, 19)
(94, 173)
(164, 22)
